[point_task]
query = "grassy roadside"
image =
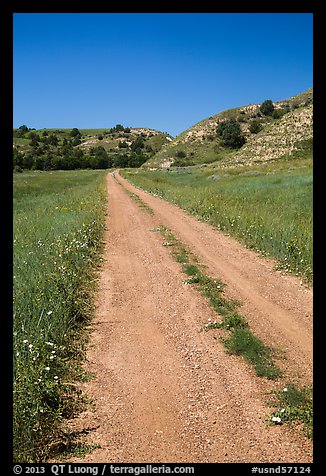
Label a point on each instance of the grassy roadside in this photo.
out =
(58, 227)
(268, 207)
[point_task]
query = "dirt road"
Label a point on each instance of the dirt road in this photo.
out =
(164, 391)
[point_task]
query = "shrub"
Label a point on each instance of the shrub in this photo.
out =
(123, 145)
(255, 126)
(180, 154)
(231, 134)
(267, 107)
(278, 113)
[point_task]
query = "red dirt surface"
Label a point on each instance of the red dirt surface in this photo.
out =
(164, 391)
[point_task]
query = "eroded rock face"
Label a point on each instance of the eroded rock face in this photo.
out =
(279, 138)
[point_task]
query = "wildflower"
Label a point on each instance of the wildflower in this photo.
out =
(49, 313)
(276, 419)
(285, 389)
(47, 368)
(283, 410)
(55, 377)
(25, 341)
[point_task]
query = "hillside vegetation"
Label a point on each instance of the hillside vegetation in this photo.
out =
(67, 149)
(267, 135)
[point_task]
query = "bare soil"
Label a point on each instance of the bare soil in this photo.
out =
(164, 391)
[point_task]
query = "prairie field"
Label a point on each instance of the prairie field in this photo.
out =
(268, 207)
(59, 222)
(58, 226)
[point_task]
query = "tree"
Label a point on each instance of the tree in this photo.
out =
(74, 132)
(17, 158)
(76, 141)
(255, 126)
(119, 128)
(99, 158)
(231, 134)
(267, 107)
(52, 140)
(34, 136)
(23, 129)
(137, 143)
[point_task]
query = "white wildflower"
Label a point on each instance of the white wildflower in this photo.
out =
(276, 419)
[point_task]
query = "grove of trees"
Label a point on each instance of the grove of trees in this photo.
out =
(48, 151)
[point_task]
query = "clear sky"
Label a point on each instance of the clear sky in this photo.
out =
(165, 71)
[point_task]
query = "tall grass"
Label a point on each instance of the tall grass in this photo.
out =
(58, 225)
(269, 208)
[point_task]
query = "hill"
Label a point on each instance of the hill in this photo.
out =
(287, 129)
(119, 146)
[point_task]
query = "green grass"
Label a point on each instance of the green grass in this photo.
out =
(268, 207)
(243, 342)
(240, 339)
(58, 225)
(293, 406)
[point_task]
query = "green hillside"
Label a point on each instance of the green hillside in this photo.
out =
(267, 135)
(51, 149)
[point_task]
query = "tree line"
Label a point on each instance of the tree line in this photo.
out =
(47, 152)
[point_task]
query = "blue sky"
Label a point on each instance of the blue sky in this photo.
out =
(165, 71)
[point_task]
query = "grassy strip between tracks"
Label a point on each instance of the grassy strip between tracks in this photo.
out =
(240, 340)
(59, 219)
(291, 404)
(135, 197)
